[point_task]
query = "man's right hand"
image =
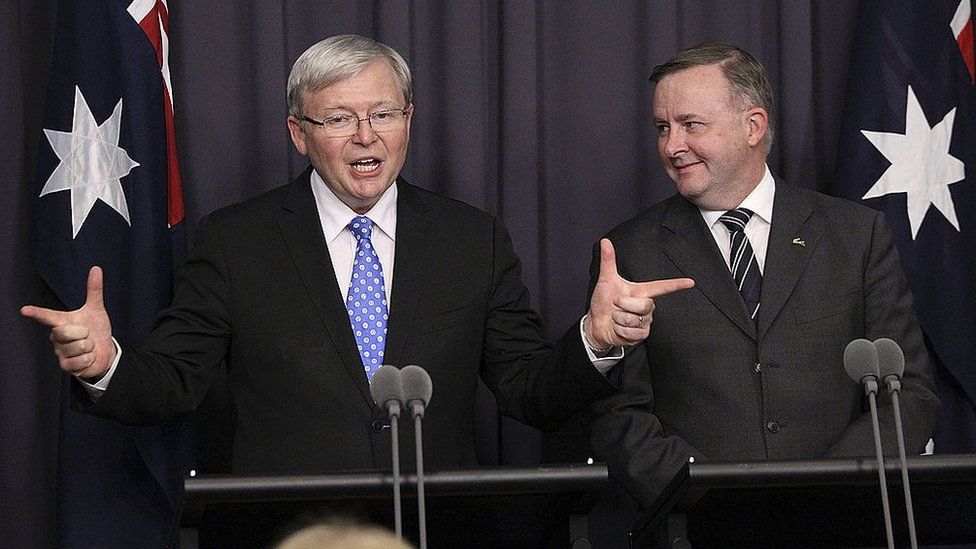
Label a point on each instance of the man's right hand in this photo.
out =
(82, 338)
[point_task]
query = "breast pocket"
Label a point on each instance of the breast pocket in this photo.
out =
(439, 321)
(828, 306)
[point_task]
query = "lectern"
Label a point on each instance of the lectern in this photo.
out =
(489, 507)
(822, 503)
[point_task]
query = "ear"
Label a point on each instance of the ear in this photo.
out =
(756, 120)
(297, 134)
(409, 117)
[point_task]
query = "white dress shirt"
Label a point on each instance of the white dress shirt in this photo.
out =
(334, 216)
(760, 201)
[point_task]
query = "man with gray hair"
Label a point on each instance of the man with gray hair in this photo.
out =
(304, 291)
(749, 365)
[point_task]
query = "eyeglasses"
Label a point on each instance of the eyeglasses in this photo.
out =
(345, 125)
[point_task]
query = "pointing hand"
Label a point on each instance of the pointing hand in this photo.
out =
(82, 338)
(621, 311)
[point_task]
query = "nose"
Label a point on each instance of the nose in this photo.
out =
(674, 143)
(364, 133)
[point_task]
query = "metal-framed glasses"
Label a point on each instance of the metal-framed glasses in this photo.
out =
(347, 124)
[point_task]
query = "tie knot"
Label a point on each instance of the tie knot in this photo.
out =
(735, 220)
(361, 227)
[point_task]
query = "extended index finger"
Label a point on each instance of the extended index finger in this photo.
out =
(47, 317)
(657, 288)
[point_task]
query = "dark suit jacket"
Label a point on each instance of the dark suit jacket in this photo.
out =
(258, 293)
(710, 383)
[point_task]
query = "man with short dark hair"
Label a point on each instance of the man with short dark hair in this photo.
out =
(749, 364)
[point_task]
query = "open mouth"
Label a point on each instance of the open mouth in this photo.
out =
(365, 165)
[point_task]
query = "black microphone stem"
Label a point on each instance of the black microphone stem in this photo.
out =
(893, 387)
(421, 507)
(872, 399)
(395, 435)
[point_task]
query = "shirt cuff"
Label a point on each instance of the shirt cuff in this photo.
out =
(603, 364)
(96, 389)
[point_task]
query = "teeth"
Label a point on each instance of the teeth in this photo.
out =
(368, 166)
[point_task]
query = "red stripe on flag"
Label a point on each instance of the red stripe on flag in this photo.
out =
(965, 41)
(154, 24)
(174, 187)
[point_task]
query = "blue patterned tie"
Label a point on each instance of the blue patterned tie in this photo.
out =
(366, 302)
(742, 260)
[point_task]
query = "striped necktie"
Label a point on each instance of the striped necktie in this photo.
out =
(742, 260)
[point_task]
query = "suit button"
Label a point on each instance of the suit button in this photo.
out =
(772, 426)
(377, 426)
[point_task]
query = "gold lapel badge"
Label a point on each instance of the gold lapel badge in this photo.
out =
(799, 242)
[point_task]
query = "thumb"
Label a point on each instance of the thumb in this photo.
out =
(95, 283)
(608, 260)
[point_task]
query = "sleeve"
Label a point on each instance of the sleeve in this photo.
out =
(189, 341)
(625, 433)
(534, 382)
(888, 312)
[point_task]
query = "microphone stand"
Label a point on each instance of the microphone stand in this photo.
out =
(386, 388)
(417, 390)
(418, 415)
(894, 387)
(397, 501)
(871, 390)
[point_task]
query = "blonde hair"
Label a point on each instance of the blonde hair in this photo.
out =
(342, 534)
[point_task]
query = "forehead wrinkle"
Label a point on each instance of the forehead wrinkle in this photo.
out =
(371, 106)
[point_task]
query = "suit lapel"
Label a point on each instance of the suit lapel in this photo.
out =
(413, 258)
(301, 230)
(690, 245)
(793, 237)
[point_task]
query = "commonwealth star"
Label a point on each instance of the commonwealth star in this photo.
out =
(92, 163)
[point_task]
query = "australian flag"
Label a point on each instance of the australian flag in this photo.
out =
(108, 193)
(908, 148)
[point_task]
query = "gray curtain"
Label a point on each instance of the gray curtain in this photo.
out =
(538, 112)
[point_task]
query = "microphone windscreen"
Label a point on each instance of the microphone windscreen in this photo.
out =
(386, 385)
(416, 384)
(891, 359)
(861, 359)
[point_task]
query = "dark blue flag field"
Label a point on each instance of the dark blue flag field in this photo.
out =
(908, 148)
(108, 193)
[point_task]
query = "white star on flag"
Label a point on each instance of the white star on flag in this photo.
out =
(92, 163)
(921, 165)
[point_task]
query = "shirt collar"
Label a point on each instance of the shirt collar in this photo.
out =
(334, 215)
(760, 201)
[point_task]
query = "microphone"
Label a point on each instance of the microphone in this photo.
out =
(417, 389)
(386, 387)
(861, 363)
(891, 362)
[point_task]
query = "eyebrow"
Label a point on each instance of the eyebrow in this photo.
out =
(680, 118)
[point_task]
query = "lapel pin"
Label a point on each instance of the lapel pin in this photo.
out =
(799, 242)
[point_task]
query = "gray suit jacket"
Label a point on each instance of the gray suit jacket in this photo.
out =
(710, 383)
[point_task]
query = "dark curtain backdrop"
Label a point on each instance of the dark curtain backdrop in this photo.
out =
(536, 111)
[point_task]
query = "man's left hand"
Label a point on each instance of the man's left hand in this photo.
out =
(621, 311)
